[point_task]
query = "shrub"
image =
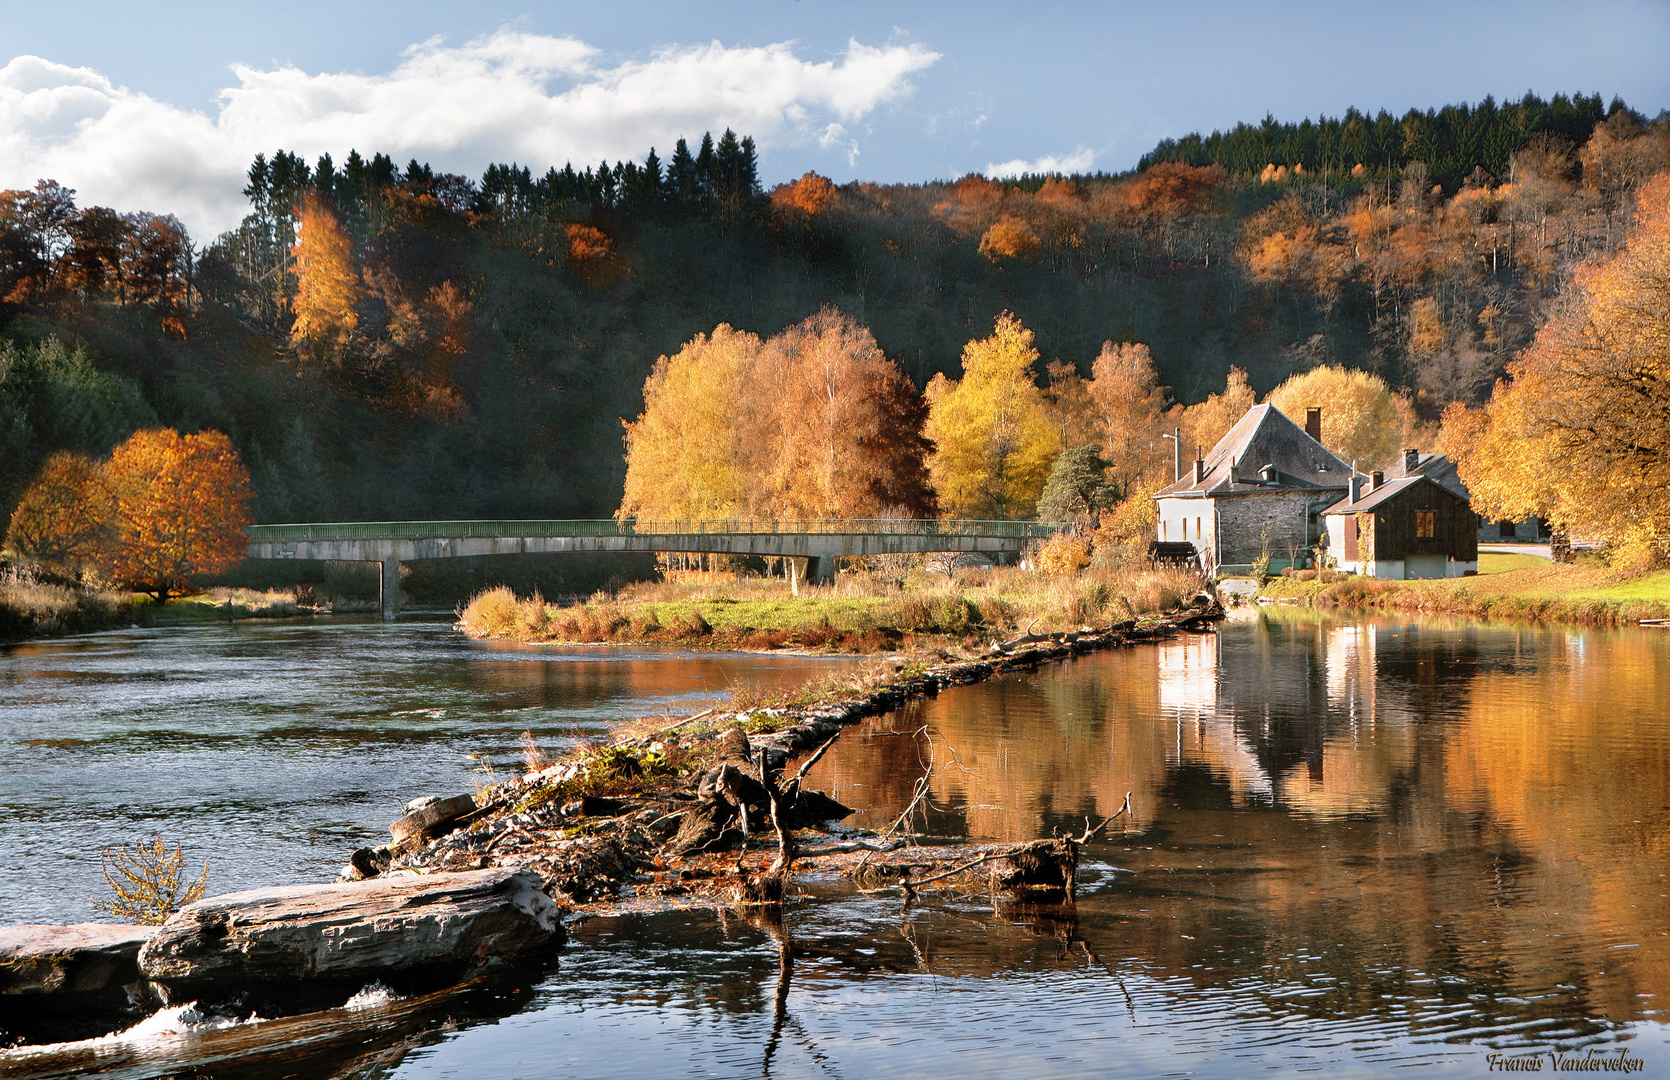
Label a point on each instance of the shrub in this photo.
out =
(148, 883)
(1063, 554)
(493, 613)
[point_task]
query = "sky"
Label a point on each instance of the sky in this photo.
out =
(161, 107)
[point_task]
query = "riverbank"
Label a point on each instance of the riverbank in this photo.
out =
(30, 609)
(858, 614)
(1529, 589)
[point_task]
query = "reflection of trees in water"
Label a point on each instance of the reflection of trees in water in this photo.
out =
(1407, 808)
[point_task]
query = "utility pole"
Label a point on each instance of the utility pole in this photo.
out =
(1176, 438)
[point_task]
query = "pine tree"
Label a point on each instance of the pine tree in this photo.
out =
(683, 188)
(705, 171)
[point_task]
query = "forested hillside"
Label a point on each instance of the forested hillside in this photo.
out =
(388, 342)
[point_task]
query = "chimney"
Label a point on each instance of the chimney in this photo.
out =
(1313, 423)
(1411, 459)
(1200, 470)
(1356, 487)
(1376, 478)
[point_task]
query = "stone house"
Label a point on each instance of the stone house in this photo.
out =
(1260, 491)
(1400, 527)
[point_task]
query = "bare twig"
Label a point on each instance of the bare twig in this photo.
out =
(1089, 832)
(813, 760)
(686, 720)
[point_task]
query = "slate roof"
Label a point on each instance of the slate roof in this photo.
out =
(1262, 437)
(1435, 467)
(1371, 499)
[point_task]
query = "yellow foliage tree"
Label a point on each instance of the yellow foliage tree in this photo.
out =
(684, 453)
(1361, 421)
(327, 281)
(180, 505)
(993, 436)
(1580, 433)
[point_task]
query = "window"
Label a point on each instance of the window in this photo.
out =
(1425, 524)
(1162, 530)
(1198, 533)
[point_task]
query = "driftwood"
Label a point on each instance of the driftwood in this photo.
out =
(1036, 868)
(289, 949)
(768, 887)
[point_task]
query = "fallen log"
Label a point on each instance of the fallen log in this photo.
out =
(290, 949)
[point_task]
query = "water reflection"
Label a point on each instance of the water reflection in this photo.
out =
(1469, 820)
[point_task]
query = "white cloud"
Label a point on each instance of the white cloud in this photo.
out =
(1078, 162)
(530, 98)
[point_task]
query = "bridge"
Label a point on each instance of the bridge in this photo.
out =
(821, 542)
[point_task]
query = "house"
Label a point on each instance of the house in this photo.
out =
(1442, 470)
(1417, 525)
(1259, 492)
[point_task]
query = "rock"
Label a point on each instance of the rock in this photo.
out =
(369, 862)
(69, 982)
(309, 946)
(435, 818)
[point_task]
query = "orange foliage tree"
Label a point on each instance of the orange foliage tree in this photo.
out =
(180, 505)
(811, 195)
(327, 279)
(62, 522)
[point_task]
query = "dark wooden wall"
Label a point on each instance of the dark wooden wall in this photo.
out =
(1391, 534)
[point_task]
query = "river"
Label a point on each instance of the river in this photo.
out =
(1357, 846)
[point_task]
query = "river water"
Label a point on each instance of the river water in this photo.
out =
(1356, 846)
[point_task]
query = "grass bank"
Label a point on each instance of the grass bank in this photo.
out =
(39, 609)
(1509, 587)
(859, 613)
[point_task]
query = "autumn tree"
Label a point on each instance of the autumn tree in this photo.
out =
(328, 287)
(814, 422)
(1361, 421)
(1009, 237)
(1580, 432)
(994, 442)
(832, 425)
(683, 452)
(1205, 423)
(1129, 406)
(62, 523)
(179, 508)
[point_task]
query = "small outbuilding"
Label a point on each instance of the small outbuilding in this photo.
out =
(1410, 526)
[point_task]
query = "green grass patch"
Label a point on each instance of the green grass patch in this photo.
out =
(1501, 562)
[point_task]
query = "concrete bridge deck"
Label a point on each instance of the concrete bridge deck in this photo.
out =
(820, 542)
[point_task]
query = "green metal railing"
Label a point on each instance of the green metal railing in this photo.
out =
(436, 530)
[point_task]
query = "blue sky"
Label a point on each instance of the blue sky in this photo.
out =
(161, 108)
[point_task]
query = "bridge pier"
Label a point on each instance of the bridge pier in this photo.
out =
(820, 570)
(388, 589)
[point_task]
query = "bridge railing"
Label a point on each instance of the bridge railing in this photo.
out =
(435, 530)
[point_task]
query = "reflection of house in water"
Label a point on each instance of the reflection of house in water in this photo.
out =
(1315, 736)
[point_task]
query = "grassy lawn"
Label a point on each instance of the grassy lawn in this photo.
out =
(1499, 562)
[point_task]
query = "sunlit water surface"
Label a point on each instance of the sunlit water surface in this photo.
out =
(1357, 847)
(274, 750)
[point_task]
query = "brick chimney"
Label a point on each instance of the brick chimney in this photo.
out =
(1200, 470)
(1375, 479)
(1313, 423)
(1411, 459)
(1356, 487)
